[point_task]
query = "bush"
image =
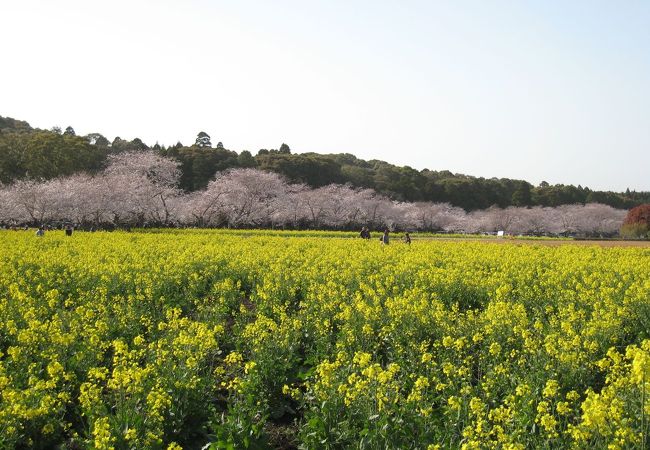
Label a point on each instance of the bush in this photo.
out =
(637, 222)
(635, 231)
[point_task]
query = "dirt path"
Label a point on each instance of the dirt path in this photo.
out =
(549, 242)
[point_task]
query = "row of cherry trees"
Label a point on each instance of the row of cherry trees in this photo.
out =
(139, 189)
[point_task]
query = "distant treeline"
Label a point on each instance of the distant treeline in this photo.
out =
(28, 153)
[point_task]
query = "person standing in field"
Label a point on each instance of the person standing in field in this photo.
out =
(365, 234)
(385, 239)
(68, 230)
(407, 238)
(40, 232)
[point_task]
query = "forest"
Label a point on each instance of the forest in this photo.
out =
(28, 153)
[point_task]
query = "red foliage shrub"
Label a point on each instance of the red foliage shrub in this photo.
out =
(638, 215)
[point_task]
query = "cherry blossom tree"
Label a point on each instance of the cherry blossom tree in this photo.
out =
(99, 200)
(145, 184)
(291, 207)
(251, 196)
(375, 208)
(568, 219)
(491, 220)
(596, 219)
(435, 216)
(315, 206)
(339, 204)
(536, 221)
(70, 200)
(207, 207)
(34, 202)
(10, 211)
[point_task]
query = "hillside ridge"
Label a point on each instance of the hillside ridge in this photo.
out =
(27, 152)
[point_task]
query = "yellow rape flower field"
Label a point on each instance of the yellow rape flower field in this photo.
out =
(222, 339)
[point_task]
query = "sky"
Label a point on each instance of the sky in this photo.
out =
(551, 91)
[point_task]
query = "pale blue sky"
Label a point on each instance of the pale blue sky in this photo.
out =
(549, 90)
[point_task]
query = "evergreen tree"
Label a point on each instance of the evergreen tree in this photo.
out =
(203, 140)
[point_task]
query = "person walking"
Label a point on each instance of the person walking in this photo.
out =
(407, 238)
(385, 239)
